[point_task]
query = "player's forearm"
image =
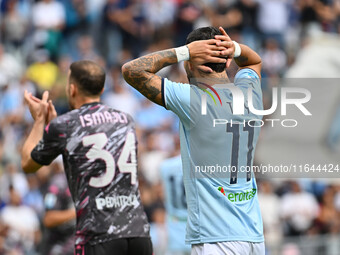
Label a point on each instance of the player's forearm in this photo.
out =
(137, 72)
(57, 217)
(248, 57)
(140, 73)
(31, 141)
(150, 63)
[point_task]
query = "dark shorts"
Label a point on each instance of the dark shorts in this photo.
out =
(122, 246)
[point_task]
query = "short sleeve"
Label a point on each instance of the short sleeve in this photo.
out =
(52, 144)
(248, 78)
(177, 99)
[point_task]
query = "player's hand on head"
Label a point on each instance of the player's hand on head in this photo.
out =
(206, 51)
(225, 41)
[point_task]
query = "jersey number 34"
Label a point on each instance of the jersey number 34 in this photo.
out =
(97, 151)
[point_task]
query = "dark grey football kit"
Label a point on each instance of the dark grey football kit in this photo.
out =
(99, 150)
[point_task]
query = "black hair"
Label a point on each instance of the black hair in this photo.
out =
(88, 76)
(206, 33)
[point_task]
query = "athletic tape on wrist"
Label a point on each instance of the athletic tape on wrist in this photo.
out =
(182, 53)
(237, 52)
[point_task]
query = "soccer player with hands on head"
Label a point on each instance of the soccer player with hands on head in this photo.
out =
(223, 210)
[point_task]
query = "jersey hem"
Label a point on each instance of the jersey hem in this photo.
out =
(223, 239)
(108, 239)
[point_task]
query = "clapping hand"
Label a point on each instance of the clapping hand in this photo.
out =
(40, 109)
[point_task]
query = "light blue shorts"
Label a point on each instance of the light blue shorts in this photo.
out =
(228, 248)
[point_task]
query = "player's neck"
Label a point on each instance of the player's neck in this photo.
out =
(85, 100)
(211, 78)
(220, 76)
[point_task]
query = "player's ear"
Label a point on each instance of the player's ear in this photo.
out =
(73, 90)
(191, 67)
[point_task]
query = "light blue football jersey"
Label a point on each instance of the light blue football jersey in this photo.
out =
(216, 148)
(175, 203)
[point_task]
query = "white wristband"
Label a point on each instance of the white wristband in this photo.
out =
(182, 53)
(237, 52)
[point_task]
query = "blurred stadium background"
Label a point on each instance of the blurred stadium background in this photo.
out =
(39, 39)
